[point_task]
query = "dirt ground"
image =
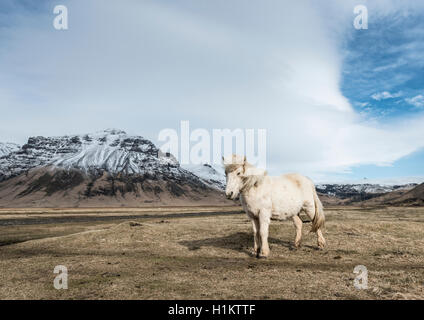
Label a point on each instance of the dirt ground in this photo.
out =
(208, 257)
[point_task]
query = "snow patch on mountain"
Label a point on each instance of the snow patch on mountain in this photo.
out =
(7, 148)
(115, 151)
(211, 175)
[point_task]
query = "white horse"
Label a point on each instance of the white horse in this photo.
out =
(264, 198)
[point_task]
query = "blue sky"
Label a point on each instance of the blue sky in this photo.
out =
(384, 66)
(337, 103)
(383, 78)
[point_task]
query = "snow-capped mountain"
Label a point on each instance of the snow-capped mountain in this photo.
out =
(110, 164)
(360, 192)
(110, 150)
(6, 148)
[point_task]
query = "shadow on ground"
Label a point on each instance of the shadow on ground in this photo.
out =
(239, 241)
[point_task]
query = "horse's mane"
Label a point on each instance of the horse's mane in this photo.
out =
(251, 181)
(232, 167)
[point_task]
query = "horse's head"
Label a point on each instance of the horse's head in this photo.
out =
(235, 167)
(241, 176)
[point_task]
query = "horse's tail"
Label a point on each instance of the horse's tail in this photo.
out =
(319, 218)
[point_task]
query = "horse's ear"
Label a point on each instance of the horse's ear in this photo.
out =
(244, 160)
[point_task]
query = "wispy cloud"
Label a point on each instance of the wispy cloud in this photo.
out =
(401, 62)
(385, 95)
(362, 104)
(417, 101)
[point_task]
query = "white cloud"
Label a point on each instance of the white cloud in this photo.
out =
(417, 101)
(386, 95)
(145, 66)
(401, 62)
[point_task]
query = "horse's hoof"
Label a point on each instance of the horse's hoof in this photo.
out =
(254, 252)
(261, 256)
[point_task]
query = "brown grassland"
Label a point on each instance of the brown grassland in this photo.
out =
(207, 256)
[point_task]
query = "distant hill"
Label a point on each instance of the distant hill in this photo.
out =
(413, 197)
(350, 193)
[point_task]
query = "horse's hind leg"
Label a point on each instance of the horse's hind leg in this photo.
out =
(310, 211)
(298, 225)
(320, 238)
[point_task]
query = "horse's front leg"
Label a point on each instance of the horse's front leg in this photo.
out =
(264, 221)
(256, 236)
(298, 225)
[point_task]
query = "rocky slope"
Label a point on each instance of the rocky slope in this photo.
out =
(103, 168)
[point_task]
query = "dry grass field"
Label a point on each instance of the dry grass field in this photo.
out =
(207, 256)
